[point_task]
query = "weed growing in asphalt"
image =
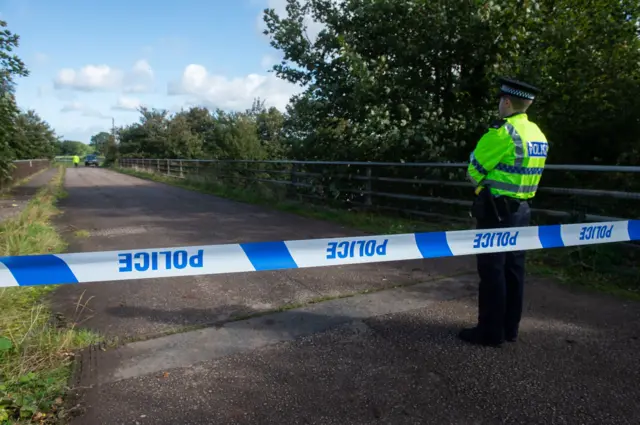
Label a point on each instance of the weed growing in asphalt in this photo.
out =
(82, 234)
(35, 348)
(609, 268)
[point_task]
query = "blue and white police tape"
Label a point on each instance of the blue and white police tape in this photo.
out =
(257, 256)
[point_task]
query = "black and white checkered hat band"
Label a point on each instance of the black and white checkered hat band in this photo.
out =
(516, 92)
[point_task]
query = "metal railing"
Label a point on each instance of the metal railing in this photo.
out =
(568, 193)
(24, 168)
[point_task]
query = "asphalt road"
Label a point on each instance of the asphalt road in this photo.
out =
(385, 358)
(123, 212)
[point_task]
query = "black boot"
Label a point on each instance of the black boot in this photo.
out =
(475, 336)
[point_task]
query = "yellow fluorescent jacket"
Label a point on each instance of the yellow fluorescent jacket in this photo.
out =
(510, 158)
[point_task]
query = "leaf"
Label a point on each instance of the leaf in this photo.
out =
(27, 378)
(5, 344)
(28, 411)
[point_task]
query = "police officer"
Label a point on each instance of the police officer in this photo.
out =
(506, 167)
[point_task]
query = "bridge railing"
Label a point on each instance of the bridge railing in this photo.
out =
(568, 193)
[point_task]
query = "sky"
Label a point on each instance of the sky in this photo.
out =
(93, 61)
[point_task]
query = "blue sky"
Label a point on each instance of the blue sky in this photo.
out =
(91, 61)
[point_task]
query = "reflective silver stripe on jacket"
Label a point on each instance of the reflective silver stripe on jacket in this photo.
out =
(517, 141)
(510, 186)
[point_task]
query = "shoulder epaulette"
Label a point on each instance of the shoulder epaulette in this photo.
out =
(497, 123)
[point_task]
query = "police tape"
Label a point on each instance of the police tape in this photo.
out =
(104, 266)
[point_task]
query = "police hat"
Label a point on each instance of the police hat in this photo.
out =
(517, 89)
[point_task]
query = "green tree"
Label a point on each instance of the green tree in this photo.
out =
(10, 67)
(587, 55)
(182, 141)
(99, 142)
(111, 151)
(199, 133)
(414, 80)
(33, 137)
(269, 125)
(388, 80)
(72, 147)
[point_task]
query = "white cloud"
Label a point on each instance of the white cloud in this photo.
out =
(136, 88)
(105, 78)
(140, 79)
(89, 78)
(84, 109)
(73, 106)
(232, 94)
(127, 104)
(142, 68)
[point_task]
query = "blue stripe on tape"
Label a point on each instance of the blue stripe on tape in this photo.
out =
(634, 230)
(432, 245)
(39, 270)
(269, 255)
(550, 236)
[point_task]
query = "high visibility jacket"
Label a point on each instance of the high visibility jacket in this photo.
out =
(76, 159)
(510, 158)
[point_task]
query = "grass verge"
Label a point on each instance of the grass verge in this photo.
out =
(35, 351)
(608, 268)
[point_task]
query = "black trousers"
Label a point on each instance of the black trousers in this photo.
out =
(501, 291)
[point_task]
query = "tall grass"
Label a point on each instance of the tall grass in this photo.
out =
(36, 348)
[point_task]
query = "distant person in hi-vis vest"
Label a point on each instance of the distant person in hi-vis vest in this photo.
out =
(506, 167)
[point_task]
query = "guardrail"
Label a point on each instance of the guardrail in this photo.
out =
(24, 168)
(569, 193)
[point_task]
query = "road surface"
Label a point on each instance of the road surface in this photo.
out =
(123, 212)
(386, 357)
